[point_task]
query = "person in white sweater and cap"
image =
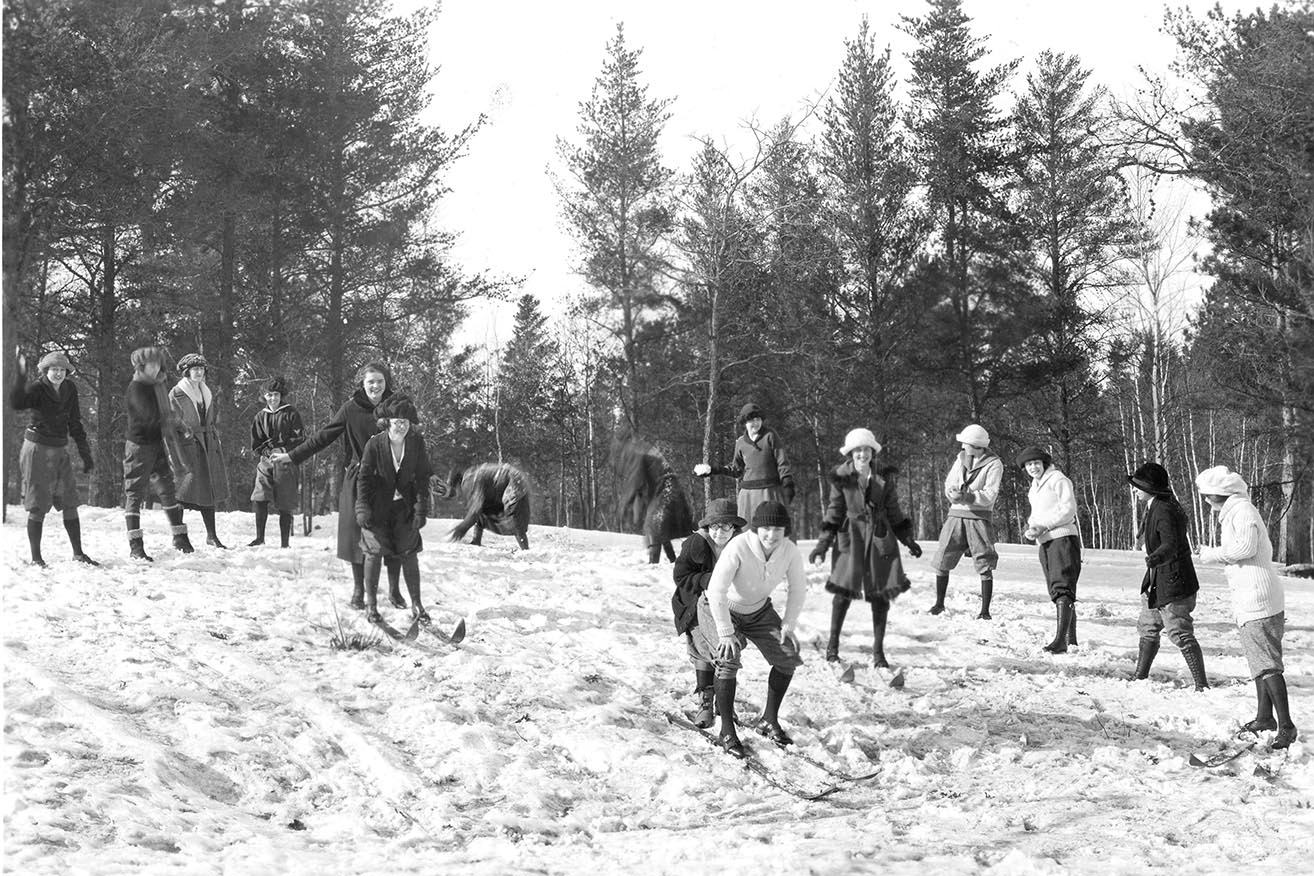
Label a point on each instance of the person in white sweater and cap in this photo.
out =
(1246, 553)
(1053, 527)
(736, 609)
(971, 487)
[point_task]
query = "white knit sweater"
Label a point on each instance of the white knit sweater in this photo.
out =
(1053, 505)
(1247, 555)
(744, 577)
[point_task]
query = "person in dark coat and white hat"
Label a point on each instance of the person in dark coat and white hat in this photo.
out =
(1053, 527)
(693, 571)
(863, 516)
(203, 483)
(45, 472)
(392, 501)
(1170, 585)
(760, 464)
(277, 428)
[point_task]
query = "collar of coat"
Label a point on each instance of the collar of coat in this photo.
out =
(361, 398)
(1045, 475)
(980, 461)
(268, 410)
(846, 472)
(197, 392)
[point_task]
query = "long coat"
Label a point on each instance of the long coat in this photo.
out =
(355, 424)
(1171, 572)
(864, 524)
(204, 480)
(379, 480)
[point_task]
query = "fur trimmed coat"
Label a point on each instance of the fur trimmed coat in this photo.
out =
(204, 479)
(866, 526)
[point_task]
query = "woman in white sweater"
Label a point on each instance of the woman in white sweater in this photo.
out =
(1246, 553)
(1053, 527)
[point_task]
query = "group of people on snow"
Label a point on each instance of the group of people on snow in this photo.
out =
(739, 555)
(726, 570)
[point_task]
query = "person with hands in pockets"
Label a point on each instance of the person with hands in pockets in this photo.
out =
(760, 464)
(392, 501)
(864, 518)
(737, 609)
(1053, 527)
(971, 487)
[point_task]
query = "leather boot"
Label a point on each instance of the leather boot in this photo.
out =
(769, 724)
(1062, 617)
(179, 529)
(1145, 657)
(34, 527)
(357, 585)
(1195, 662)
(987, 593)
(393, 565)
(211, 536)
(839, 606)
(1072, 628)
(880, 613)
(941, 588)
(1277, 692)
(284, 529)
(262, 516)
(410, 567)
(136, 550)
(705, 688)
(1263, 709)
(727, 738)
(373, 566)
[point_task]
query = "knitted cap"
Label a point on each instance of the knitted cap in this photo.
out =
(1032, 453)
(749, 411)
(55, 359)
(1152, 478)
(771, 514)
(397, 407)
(190, 361)
(275, 384)
(721, 511)
(974, 434)
(1221, 481)
(859, 438)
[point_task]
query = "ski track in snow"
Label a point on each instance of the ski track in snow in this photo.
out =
(188, 716)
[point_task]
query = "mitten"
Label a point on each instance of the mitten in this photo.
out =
(420, 520)
(363, 519)
(819, 552)
(787, 490)
(702, 470)
(87, 464)
(914, 549)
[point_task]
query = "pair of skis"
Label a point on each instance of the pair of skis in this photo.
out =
(413, 631)
(837, 780)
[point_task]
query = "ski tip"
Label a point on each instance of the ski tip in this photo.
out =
(897, 680)
(847, 675)
(1194, 760)
(459, 633)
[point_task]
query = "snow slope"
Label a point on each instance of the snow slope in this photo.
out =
(189, 716)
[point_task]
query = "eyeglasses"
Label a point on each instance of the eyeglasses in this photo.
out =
(721, 527)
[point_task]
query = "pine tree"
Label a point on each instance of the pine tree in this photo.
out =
(525, 393)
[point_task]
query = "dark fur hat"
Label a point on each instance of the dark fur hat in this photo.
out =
(396, 407)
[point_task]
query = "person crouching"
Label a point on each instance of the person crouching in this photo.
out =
(737, 609)
(392, 501)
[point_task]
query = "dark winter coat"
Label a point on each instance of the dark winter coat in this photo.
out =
(866, 526)
(693, 569)
(379, 480)
(355, 424)
(272, 431)
(1171, 573)
(56, 415)
(759, 463)
(669, 515)
(496, 496)
(150, 421)
(205, 481)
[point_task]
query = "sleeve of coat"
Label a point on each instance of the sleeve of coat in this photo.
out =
(366, 478)
(1166, 527)
(893, 511)
(798, 589)
(76, 430)
(296, 429)
(718, 587)
(951, 479)
(690, 575)
(782, 459)
(1239, 540)
(836, 508)
(258, 437)
(328, 433)
(1065, 506)
(994, 476)
(736, 467)
(422, 473)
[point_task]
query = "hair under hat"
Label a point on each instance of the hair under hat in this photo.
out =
(722, 511)
(396, 407)
(275, 384)
(771, 514)
(1033, 453)
(749, 411)
(1221, 481)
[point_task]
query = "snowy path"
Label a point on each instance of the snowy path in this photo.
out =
(188, 716)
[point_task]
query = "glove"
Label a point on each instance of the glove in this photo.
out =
(729, 648)
(363, 519)
(1149, 563)
(914, 549)
(87, 464)
(787, 491)
(819, 552)
(702, 470)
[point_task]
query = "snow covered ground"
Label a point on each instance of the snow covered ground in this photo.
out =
(189, 716)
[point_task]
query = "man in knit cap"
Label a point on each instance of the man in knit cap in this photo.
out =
(971, 487)
(45, 471)
(1258, 600)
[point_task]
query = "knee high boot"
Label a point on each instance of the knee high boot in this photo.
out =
(410, 567)
(1195, 662)
(1277, 692)
(136, 549)
(357, 585)
(373, 566)
(880, 613)
(705, 688)
(941, 588)
(211, 537)
(262, 517)
(1263, 709)
(839, 606)
(1145, 657)
(284, 528)
(1063, 617)
(725, 708)
(987, 593)
(1072, 628)
(179, 529)
(73, 526)
(777, 684)
(34, 527)
(394, 567)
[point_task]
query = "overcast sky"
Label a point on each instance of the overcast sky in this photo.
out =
(528, 65)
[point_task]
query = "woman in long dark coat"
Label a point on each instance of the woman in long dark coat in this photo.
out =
(864, 520)
(203, 481)
(354, 423)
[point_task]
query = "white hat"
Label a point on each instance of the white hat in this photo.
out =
(1221, 481)
(859, 438)
(974, 434)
